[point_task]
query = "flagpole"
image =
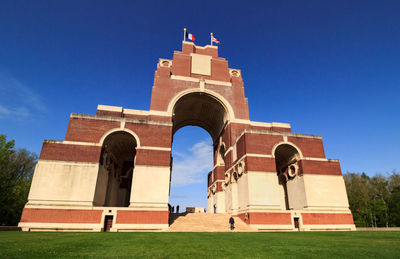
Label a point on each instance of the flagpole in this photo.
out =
(211, 34)
(184, 34)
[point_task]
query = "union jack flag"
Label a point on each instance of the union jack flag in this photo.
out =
(214, 40)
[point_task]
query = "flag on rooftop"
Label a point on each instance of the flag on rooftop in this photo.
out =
(213, 39)
(188, 36)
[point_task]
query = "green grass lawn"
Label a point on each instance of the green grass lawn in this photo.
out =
(239, 245)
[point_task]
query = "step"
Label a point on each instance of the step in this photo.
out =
(206, 222)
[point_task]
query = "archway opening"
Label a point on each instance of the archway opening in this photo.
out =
(209, 113)
(116, 166)
(286, 157)
(192, 154)
(200, 109)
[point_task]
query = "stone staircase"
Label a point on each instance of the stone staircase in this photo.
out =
(205, 222)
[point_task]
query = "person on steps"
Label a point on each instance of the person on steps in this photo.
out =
(232, 222)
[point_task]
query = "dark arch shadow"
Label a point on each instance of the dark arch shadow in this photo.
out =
(114, 181)
(200, 109)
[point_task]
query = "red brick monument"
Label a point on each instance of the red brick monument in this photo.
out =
(113, 169)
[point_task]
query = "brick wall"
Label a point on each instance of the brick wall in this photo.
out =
(264, 164)
(61, 216)
(87, 130)
(310, 147)
(141, 217)
(68, 152)
(261, 144)
(327, 218)
(320, 167)
(153, 157)
(219, 173)
(152, 135)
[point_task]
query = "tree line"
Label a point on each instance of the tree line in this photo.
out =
(16, 170)
(374, 201)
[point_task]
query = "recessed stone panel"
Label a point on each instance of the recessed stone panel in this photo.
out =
(201, 64)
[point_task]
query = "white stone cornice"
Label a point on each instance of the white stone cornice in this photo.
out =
(154, 148)
(67, 142)
(197, 80)
(131, 111)
(109, 108)
(265, 132)
(111, 118)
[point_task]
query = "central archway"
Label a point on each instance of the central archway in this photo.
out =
(200, 109)
(207, 112)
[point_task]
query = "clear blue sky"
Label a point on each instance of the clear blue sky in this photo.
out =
(329, 68)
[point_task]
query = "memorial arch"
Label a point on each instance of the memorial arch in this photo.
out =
(113, 169)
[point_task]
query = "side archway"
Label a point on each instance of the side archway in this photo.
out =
(116, 165)
(108, 133)
(285, 154)
(287, 157)
(288, 144)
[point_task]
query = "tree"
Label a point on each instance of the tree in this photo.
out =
(394, 202)
(379, 191)
(16, 170)
(374, 201)
(359, 197)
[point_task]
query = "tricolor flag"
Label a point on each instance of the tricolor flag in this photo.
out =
(214, 40)
(190, 36)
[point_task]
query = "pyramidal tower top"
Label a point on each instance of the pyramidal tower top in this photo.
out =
(199, 69)
(189, 47)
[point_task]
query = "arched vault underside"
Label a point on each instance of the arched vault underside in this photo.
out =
(200, 109)
(121, 145)
(285, 155)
